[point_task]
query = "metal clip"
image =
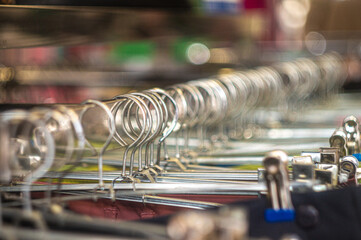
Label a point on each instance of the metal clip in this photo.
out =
(302, 168)
(338, 140)
(260, 174)
(330, 155)
(351, 127)
(303, 173)
(348, 170)
(315, 156)
(327, 170)
(276, 175)
(327, 174)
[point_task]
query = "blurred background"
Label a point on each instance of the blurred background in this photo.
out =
(66, 51)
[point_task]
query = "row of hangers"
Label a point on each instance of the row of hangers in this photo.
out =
(38, 142)
(136, 120)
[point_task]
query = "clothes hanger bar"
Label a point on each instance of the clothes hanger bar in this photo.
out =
(241, 148)
(247, 179)
(247, 175)
(176, 187)
(219, 176)
(190, 166)
(158, 200)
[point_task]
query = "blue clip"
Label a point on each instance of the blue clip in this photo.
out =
(358, 156)
(281, 215)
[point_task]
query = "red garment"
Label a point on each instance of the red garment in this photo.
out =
(121, 210)
(126, 210)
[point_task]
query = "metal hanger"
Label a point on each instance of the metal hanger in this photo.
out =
(46, 151)
(92, 103)
(144, 128)
(170, 129)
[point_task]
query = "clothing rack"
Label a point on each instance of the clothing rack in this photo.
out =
(147, 147)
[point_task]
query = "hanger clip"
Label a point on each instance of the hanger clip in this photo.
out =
(348, 170)
(338, 140)
(351, 127)
(303, 169)
(276, 175)
(327, 170)
(315, 156)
